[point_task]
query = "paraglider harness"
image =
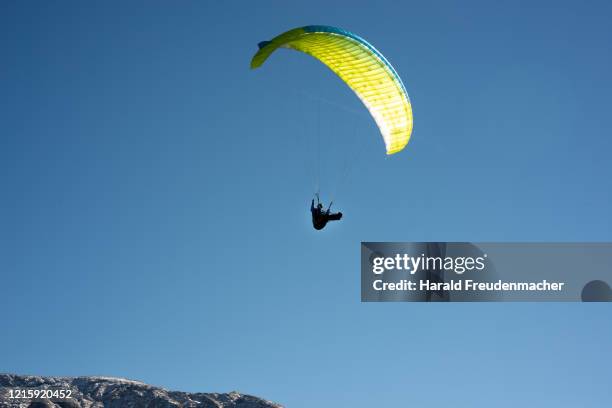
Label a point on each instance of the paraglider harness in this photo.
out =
(320, 217)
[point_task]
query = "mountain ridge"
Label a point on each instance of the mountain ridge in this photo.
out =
(113, 392)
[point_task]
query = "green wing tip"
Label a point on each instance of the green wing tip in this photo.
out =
(255, 64)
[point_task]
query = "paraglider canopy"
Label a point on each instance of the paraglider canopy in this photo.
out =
(365, 70)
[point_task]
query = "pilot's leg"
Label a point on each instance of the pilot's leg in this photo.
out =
(335, 216)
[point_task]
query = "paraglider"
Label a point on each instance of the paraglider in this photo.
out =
(363, 68)
(321, 217)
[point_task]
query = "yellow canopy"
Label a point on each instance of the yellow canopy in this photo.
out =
(365, 70)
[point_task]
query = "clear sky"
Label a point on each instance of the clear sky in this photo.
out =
(154, 215)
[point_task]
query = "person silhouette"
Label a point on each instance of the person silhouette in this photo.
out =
(321, 217)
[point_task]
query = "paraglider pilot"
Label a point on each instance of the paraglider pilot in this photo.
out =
(320, 217)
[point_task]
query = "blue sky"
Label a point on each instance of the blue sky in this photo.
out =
(154, 216)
